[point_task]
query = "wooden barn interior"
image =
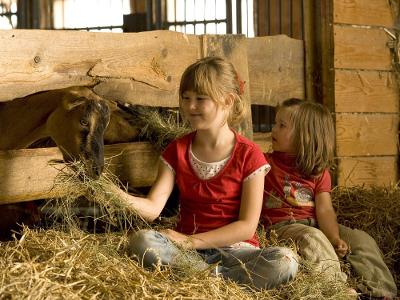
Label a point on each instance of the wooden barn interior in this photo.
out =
(343, 54)
(339, 53)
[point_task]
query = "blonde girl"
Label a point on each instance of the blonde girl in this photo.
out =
(297, 201)
(220, 176)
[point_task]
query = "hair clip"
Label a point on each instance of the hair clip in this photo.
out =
(241, 84)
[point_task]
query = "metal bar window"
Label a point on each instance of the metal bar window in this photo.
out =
(90, 15)
(210, 16)
(8, 14)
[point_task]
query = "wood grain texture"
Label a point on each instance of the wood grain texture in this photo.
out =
(28, 175)
(366, 91)
(363, 12)
(46, 60)
(366, 134)
(264, 140)
(368, 171)
(361, 48)
(234, 48)
(276, 69)
(142, 68)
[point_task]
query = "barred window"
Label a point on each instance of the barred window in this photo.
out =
(90, 15)
(8, 14)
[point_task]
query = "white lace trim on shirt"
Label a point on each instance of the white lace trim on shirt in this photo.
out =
(206, 170)
(263, 169)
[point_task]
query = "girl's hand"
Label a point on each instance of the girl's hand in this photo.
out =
(181, 239)
(341, 247)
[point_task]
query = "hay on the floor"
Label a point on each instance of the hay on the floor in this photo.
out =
(68, 263)
(375, 210)
(49, 264)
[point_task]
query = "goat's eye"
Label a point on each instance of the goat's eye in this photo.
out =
(84, 122)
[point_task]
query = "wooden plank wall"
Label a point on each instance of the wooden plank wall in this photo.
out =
(280, 17)
(366, 94)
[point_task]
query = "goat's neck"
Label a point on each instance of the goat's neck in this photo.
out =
(23, 121)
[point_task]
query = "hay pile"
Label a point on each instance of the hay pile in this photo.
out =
(66, 262)
(55, 264)
(375, 210)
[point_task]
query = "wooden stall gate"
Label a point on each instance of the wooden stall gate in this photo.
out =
(138, 68)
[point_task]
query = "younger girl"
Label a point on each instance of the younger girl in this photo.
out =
(297, 202)
(220, 176)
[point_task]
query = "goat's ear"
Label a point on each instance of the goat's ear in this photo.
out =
(71, 101)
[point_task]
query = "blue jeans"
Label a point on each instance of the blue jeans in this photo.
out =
(262, 268)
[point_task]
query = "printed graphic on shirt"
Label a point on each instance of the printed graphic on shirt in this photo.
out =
(296, 194)
(273, 201)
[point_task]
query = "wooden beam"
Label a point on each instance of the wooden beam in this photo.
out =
(366, 91)
(311, 69)
(276, 69)
(324, 53)
(363, 12)
(368, 171)
(28, 174)
(361, 48)
(234, 48)
(137, 6)
(47, 60)
(261, 17)
(366, 134)
(142, 68)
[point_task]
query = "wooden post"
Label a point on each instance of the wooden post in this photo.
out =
(311, 67)
(234, 49)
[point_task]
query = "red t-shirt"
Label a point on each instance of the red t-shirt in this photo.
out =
(288, 195)
(212, 203)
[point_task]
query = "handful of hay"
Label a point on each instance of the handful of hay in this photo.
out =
(87, 200)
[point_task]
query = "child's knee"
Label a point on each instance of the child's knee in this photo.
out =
(141, 239)
(281, 267)
(142, 245)
(290, 259)
(287, 260)
(313, 233)
(314, 240)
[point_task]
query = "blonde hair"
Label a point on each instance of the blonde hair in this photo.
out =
(215, 77)
(313, 135)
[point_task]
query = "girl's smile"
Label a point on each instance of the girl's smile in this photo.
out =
(201, 111)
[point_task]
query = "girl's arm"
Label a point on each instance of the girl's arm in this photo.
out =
(151, 206)
(326, 218)
(238, 231)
